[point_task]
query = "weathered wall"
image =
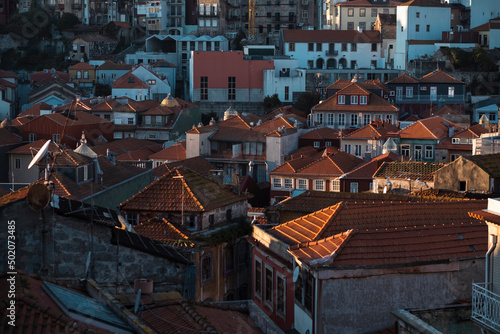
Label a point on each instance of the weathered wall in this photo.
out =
(58, 246)
(238, 209)
(360, 305)
(449, 177)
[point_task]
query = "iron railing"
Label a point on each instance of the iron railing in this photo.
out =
(485, 307)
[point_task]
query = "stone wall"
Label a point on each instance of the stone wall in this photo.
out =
(101, 48)
(58, 246)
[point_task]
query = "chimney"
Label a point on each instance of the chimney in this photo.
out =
(360, 30)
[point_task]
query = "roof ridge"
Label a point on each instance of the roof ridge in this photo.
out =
(185, 185)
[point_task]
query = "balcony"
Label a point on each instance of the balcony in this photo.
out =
(332, 53)
(418, 98)
(485, 307)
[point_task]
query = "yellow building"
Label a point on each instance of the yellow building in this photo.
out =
(82, 74)
(361, 14)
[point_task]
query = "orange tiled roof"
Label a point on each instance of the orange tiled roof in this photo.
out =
(413, 170)
(424, 3)
(32, 148)
(129, 81)
(339, 164)
(367, 36)
(125, 145)
(430, 128)
(375, 130)
(14, 196)
(375, 102)
(35, 110)
(403, 79)
(473, 131)
(367, 169)
(345, 216)
(286, 111)
(438, 76)
(82, 66)
(304, 151)
(490, 163)
(165, 194)
(7, 74)
(366, 84)
(198, 164)
(137, 155)
(69, 158)
(293, 166)
(412, 245)
(175, 152)
(163, 231)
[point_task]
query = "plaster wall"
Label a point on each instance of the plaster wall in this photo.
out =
(449, 177)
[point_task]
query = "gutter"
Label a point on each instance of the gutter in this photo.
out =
(493, 243)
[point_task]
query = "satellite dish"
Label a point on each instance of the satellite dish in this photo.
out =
(137, 300)
(39, 156)
(296, 273)
(38, 196)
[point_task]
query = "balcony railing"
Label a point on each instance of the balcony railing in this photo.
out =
(417, 98)
(485, 307)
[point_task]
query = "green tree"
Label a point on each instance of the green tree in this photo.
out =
(271, 103)
(67, 21)
(307, 100)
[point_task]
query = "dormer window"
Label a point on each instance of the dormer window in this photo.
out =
(354, 99)
(363, 99)
(455, 140)
(341, 99)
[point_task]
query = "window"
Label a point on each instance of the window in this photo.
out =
(291, 47)
(130, 121)
(78, 74)
(363, 99)
(433, 94)
(133, 219)
(153, 81)
(354, 99)
(344, 47)
(310, 47)
(305, 14)
(417, 28)
(354, 187)
(350, 25)
(405, 150)
(319, 185)
(366, 119)
(417, 152)
(17, 163)
(319, 118)
(374, 47)
(492, 117)
(56, 138)
(316, 144)
(85, 74)
(336, 185)
(32, 137)
(357, 150)
(211, 220)
(319, 47)
(388, 118)
(280, 294)
(308, 293)
(409, 92)
(298, 290)
(462, 186)
(158, 120)
(374, 12)
(341, 99)
(353, 64)
(341, 119)
(362, 12)
(350, 12)
(354, 120)
(82, 48)
(206, 268)
(417, 14)
(231, 88)
(428, 28)
(302, 184)
(347, 148)
(330, 118)
(203, 88)
(451, 91)
(276, 183)
(310, 63)
(399, 93)
(288, 183)
(429, 152)
(287, 93)
(354, 47)
(362, 26)
(455, 140)
(269, 286)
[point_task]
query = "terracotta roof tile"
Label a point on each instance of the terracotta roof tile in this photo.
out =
(228, 321)
(294, 165)
(82, 66)
(35, 110)
(304, 151)
(32, 148)
(367, 36)
(95, 38)
(375, 130)
(285, 111)
(367, 169)
(321, 133)
(339, 164)
(403, 79)
(410, 245)
(14, 196)
(129, 81)
(439, 76)
(109, 65)
(165, 194)
(423, 171)
(375, 102)
(163, 231)
(490, 163)
(430, 128)
(7, 74)
(345, 216)
(198, 164)
(137, 155)
(175, 152)
(121, 146)
(8, 138)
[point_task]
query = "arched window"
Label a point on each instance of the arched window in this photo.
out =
(343, 63)
(78, 74)
(319, 63)
(331, 63)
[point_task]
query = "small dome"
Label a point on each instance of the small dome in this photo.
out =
(170, 101)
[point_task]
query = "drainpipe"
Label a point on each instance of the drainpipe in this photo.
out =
(493, 243)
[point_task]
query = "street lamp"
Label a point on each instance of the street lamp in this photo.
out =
(182, 203)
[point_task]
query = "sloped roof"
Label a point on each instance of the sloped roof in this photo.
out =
(367, 169)
(175, 152)
(367, 36)
(109, 65)
(69, 158)
(413, 245)
(424, 3)
(413, 170)
(129, 81)
(375, 130)
(163, 231)
(8, 138)
(82, 66)
(473, 131)
(375, 102)
(7, 74)
(438, 76)
(345, 216)
(403, 79)
(294, 165)
(33, 148)
(197, 164)
(125, 145)
(165, 194)
(137, 155)
(95, 38)
(338, 164)
(490, 163)
(430, 128)
(35, 110)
